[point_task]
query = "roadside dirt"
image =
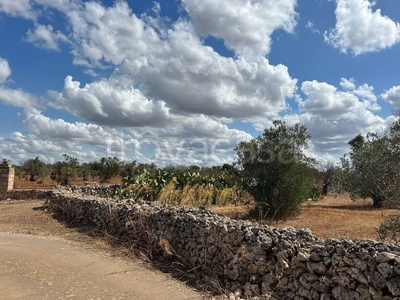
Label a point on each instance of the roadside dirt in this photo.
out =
(41, 258)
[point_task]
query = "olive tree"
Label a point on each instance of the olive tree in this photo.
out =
(372, 167)
(35, 168)
(277, 172)
(108, 167)
(64, 171)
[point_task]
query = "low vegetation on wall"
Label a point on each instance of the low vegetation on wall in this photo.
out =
(245, 257)
(185, 187)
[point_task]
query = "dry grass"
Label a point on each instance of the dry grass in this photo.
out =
(23, 183)
(332, 217)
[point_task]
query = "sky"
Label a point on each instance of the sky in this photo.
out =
(184, 81)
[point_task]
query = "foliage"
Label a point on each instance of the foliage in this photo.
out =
(128, 168)
(64, 171)
(371, 168)
(315, 193)
(34, 168)
(108, 167)
(276, 171)
(86, 170)
(389, 230)
(185, 186)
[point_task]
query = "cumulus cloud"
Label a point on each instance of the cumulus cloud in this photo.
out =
(61, 130)
(110, 102)
(359, 29)
(18, 98)
(173, 69)
(347, 84)
(327, 101)
(61, 5)
(20, 8)
(5, 70)
(330, 135)
(392, 96)
(45, 37)
(335, 115)
(244, 26)
(21, 146)
(198, 139)
(169, 97)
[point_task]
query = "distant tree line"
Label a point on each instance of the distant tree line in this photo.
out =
(103, 170)
(273, 168)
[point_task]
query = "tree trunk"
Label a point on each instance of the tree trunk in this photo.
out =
(325, 188)
(378, 201)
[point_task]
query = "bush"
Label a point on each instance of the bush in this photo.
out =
(276, 171)
(371, 168)
(389, 230)
(64, 171)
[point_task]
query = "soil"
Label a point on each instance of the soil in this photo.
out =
(40, 258)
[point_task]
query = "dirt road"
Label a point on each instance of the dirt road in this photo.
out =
(48, 266)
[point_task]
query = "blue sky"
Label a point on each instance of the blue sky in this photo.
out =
(182, 82)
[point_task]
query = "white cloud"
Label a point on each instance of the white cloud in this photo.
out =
(330, 135)
(310, 25)
(245, 26)
(327, 101)
(164, 78)
(61, 130)
(44, 37)
(5, 70)
(190, 140)
(347, 84)
(18, 98)
(156, 7)
(333, 117)
(110, 102)
(392, 96)
(174, 67)
(18, 8)
(359, 29)
(61, 5)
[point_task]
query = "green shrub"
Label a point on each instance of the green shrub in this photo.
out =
(389, 230)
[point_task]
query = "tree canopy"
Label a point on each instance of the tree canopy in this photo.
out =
(371, 168)
(35, 168)
(276, 170)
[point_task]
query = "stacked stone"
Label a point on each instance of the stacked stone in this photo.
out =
(6, 179)
(248, 258)
(345, 269)
(90, 188)
(28, 194)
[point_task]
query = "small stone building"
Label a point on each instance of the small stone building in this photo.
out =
(6, 179)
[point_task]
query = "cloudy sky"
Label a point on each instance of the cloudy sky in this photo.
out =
(183, 81)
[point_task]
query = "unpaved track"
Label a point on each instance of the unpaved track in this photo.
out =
(49, 267)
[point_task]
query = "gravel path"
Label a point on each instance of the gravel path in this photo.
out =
(42, 259)
(49, 268)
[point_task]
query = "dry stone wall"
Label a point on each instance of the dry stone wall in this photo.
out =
(250, 259)
(28, 194)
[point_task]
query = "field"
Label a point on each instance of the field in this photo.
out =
(22, 183)
(331, 217)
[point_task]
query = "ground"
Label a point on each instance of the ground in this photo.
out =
(331, 217)
(42, 252)
(43, 259)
